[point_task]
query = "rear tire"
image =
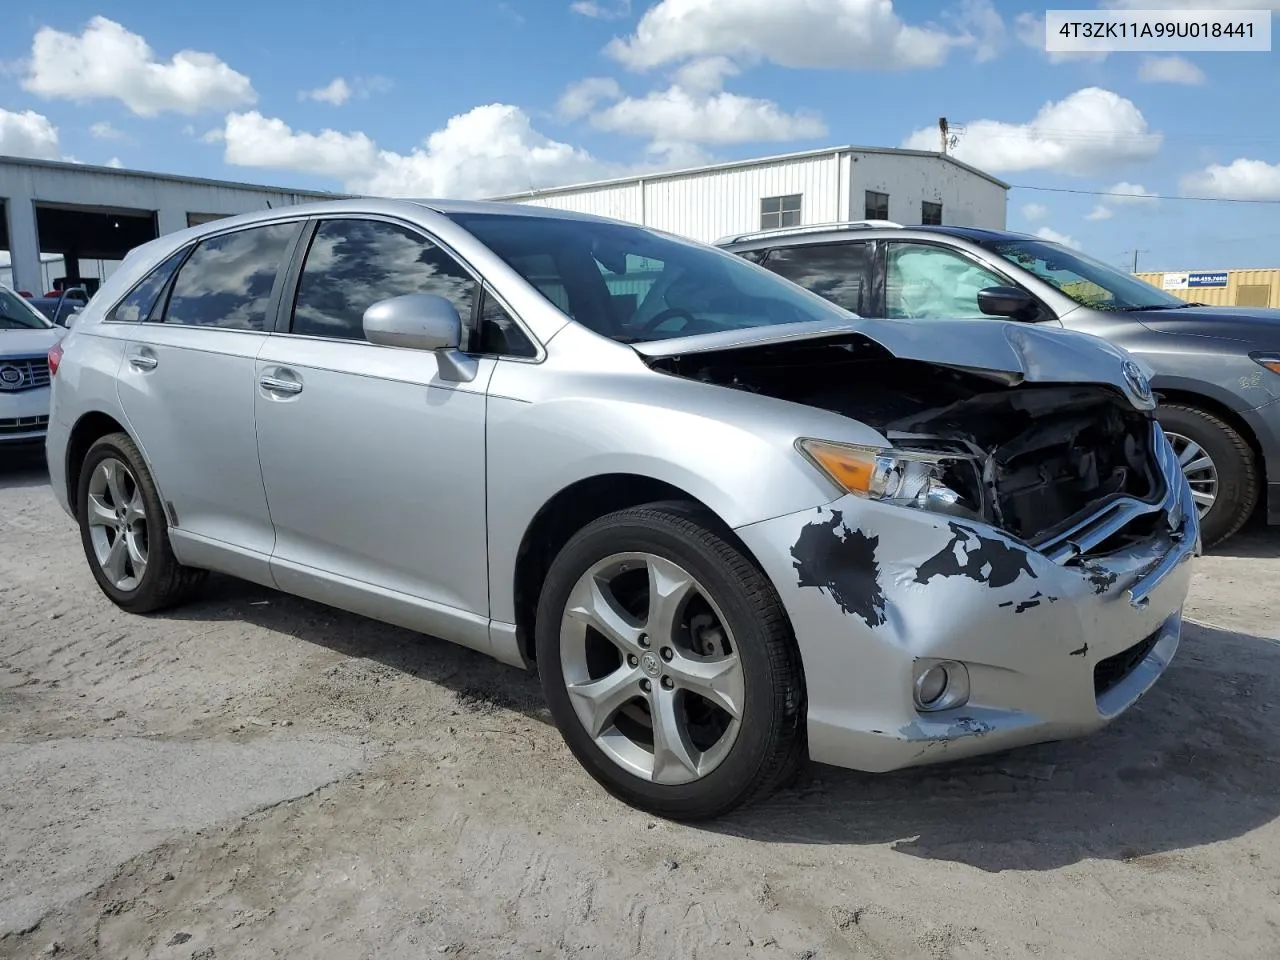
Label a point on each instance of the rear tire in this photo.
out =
(124, 530)
(1232, 470)
(729, 612)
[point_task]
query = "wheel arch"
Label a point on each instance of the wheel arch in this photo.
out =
(571, 509)
(1224, 412)
(88, 430)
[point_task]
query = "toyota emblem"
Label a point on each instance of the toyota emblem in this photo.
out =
(1137, 381)
(10, 376)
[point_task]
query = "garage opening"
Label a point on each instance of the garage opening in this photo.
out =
(88, 243)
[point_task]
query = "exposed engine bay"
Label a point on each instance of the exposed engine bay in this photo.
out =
(1030, 459)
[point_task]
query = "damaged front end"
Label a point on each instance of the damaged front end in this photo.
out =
(1032, 459)
(1003, 563)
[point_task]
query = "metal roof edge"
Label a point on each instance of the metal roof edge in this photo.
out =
(67, 165)
(739, 165)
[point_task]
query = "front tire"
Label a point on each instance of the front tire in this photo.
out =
(1219, 465)
(669, 665)
(124, 530)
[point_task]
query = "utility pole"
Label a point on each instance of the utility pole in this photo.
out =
(1135, 258)
(943, 130)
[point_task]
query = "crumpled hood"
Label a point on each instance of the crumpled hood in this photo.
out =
(29, 343)
(1001, 349)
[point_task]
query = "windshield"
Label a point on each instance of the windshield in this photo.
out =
(17, 314)
(1085, 280)
(632, 285)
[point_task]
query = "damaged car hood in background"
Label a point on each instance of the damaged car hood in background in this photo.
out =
(1002, 350)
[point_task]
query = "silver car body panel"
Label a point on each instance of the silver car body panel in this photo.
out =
(382, 488)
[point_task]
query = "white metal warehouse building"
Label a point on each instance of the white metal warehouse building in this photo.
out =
(817, 186)
(77, 220)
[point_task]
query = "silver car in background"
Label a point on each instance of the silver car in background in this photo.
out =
(730, 524)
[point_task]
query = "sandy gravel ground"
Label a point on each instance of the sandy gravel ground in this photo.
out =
(256, 776)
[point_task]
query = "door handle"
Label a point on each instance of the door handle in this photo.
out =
(277, 385)
(143, 361)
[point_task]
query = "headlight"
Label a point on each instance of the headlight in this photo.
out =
(1269, 360)
(944, 482)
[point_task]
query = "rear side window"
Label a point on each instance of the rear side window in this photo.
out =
(352, 264)
(137, 306)
(836, 271)
(228, 279)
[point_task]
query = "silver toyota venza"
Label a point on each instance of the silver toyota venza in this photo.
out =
(730, 524)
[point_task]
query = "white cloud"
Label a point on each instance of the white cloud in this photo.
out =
(1100, 213)
(851, 34)
(680, 115)
(602, 11)
(489, 150)
(706, 73)
(27, 134)
(1242, 179)
(106, 61)
(1171, 69)
(1053, 236)
(115, 162)
(1029, 29)
(1130, 194)
(253, 140)
(1087, 132)
(337, 92)
(1035, 211)
(580, 98)
(980, 20)
(103, 130)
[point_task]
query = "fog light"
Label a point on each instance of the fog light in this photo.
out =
(940, 685)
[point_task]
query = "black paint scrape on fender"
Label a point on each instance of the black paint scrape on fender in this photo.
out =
(982, 559)
(843, 563)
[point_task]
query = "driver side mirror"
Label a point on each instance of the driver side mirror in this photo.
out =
(422, 321)
(1011, 302)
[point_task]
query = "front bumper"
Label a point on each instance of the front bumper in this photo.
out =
(24, 415)
(1054, 647)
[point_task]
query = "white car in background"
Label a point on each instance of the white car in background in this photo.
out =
(26, 337)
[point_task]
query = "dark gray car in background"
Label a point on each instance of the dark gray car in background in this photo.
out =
(1217, 369)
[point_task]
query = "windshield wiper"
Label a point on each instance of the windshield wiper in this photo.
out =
(1162, 306)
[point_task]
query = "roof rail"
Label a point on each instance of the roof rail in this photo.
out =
(811, 228)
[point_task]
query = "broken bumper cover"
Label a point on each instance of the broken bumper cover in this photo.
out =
(1053, 648)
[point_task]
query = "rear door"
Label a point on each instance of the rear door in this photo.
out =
(187, 386)
(837, 271)
(373, 464)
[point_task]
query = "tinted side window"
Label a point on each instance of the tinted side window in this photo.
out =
(499, 333)
(227, 281)
(352, 264)
(832, 270)
(136, 307)
(927, 282)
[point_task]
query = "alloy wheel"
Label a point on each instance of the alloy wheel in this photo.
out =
(118, 523)
(1199, 469)
(651, 668)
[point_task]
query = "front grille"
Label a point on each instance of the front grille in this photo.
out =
(15, 425)
(1110, 672)
(23, 373)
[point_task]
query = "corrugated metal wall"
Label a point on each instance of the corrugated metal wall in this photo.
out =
(707, 205)
(1245, 288)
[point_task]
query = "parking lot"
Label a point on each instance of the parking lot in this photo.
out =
(258, 776)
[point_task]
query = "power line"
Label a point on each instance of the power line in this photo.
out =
(1137, 196)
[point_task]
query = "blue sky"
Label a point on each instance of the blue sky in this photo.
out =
(485, 97)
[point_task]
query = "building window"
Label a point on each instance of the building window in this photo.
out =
(197, 219)
(877, 205)
(931, 214)
(776, 212)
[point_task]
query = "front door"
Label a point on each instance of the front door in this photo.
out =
(187, 387)
(373, 464)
